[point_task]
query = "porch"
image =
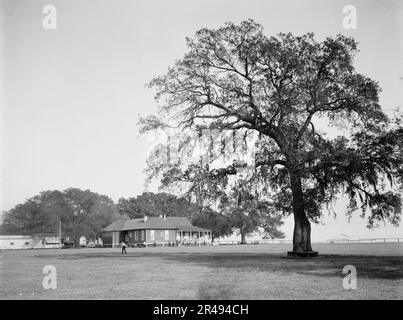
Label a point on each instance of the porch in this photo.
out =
(196, 237)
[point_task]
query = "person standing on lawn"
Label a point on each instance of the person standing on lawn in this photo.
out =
(123, 247)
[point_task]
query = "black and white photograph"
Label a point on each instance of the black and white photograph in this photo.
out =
(216, 152)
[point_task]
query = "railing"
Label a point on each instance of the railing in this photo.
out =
(262, 241)
(366, 240)
(265, 241)
(178, 244)
(289, 241)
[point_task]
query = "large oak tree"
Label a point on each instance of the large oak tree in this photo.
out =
(235, 79)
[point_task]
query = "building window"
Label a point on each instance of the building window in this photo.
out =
(166, 234)
(136, 235)
(152, 235)
(142, 235)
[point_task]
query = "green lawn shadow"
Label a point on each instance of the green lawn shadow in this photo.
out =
(326, 265)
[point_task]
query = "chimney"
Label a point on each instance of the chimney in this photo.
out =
(145, 218)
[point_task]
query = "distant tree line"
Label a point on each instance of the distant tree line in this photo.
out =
(86, 213)
(80, 213)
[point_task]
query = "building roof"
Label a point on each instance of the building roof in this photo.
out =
(116, 225)
(25, 236)
(176, 223)
(7, 237)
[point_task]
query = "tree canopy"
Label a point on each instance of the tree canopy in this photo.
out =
(156, 204)
(81, 212)
(249, 214)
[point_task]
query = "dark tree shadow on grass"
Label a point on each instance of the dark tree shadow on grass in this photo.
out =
(371, 267)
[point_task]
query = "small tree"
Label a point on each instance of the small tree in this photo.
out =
(219, 224)
(249, 214)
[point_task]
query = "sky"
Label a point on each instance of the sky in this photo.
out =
(71, 96)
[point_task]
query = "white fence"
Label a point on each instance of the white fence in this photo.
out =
(366, 240)
(289, 241)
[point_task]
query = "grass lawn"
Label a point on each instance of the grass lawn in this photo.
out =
(218, 272)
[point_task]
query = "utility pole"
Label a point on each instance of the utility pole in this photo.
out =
(75, 228)
(60, 233)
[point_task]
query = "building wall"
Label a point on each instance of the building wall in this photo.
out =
(115, 238)
(160, 235)
(112, 238)
(28, 242)
(107, 239)
(135, 236)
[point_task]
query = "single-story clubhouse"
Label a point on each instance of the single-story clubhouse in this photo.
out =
(160, 230)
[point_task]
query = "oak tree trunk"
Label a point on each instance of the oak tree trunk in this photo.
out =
(302, 226)
(243, 240)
